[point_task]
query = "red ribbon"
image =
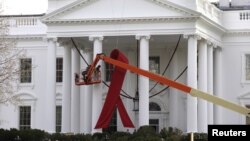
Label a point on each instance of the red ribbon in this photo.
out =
(113, 98)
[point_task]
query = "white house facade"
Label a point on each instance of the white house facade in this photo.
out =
(195, 42)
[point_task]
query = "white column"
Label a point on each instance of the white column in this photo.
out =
(50, 95)
(217, 85)
(143, 81)
(75, 93)
(97, 88)
(210, 83)
(131, 79)
(173, 95)
(66, 98)
(192, 81)
(202, 85)
(86, 97)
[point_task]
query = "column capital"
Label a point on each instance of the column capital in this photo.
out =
(87, 50)
(65, 42)
(95, 37)
(211, 44)
(140, 36)
(53, 39)
(194, 35)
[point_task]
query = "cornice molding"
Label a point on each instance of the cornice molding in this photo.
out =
(26, 36)
(122, 20)
(238, 33)
(210, 41)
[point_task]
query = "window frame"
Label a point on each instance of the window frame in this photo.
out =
(31, 71)
(108, 72)
(59, 71)
(156, 126)
(157, 60)
(59, 125)
(24, 127)
(243, 68)
(156, 107)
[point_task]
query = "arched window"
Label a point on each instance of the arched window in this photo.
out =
(154, 107)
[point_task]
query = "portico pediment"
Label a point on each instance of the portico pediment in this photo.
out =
(103, 10)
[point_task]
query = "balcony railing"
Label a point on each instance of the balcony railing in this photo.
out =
(25, 25)
(23, 21)
(245, 15)
(209, 10)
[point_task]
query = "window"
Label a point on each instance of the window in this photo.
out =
(59, 69)
(113, 124)
(108, 72)
(24, 117)
(25, 70)
(58, 118)
(154, 64)
(154, 107)
(155, 124)
(247, 67)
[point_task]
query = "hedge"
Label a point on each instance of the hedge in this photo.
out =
(145, 133)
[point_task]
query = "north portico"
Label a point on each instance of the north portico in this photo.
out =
(154, 26)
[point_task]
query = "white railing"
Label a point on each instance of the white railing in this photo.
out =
(209, 10)
(25, 25)
(23, 21)
(244, 15)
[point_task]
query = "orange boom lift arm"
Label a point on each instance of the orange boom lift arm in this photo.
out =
(165, 81)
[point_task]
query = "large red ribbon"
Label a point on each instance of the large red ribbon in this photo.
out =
(113, 98)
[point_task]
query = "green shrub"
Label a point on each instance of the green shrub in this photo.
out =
(32, 135)
(119, 136)
(145, 133)
(197, 137)
(99, 136)
(171, 134)
(24, 135)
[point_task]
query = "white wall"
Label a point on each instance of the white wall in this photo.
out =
(240, 2)
(232, 86)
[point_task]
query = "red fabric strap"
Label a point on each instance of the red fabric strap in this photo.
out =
(113, 98)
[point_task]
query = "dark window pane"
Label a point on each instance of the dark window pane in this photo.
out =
(154, 107)
(58, 118)
(25, 70)
(59, 69)
(154, 64)
(24, 117)
(109, 71)
(155, 124)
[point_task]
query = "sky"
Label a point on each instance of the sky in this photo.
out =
(14, 7)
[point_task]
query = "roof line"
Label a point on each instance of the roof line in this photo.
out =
(26, 15)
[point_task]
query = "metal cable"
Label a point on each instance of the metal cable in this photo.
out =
(169, 86)
(126, 95)
(168, 62)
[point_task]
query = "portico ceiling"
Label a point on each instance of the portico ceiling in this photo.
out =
(130, 42)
